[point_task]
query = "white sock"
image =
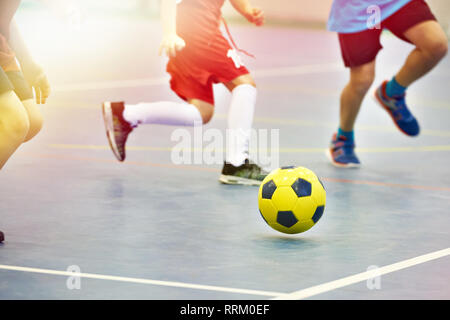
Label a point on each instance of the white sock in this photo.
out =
(240, 120)
(164, 112)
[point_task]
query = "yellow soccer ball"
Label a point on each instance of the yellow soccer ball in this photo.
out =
(291, 199)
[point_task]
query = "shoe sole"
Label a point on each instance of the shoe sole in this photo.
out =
(232, 180)
(109, 126)
(380, 102)
(340, 165)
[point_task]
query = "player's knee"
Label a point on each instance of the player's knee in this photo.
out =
(207, 115)
(36, 123)
(250, 81)
(35, 118)
(437, 49)
(363, 81)
(242, 80)
(205, 109)
(16, 125)
(20, 128)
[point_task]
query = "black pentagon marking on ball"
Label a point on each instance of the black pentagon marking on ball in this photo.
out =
(286, 218)
(288, 167)
(268, 189)
(302, 188)
(318, 214)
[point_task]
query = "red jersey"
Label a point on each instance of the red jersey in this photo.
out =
(208, 58)
(199, 20)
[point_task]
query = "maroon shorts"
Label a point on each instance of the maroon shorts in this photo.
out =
(362, 47)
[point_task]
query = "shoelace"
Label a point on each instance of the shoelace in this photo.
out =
(343, 143)
(253, 169)
(401, 112)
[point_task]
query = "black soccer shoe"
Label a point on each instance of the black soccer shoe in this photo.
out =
(117, 128)
(249, 174)
(2, 237)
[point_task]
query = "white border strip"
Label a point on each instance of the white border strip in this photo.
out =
(141, 281)
(329, 286)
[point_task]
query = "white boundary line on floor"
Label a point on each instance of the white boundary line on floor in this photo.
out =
(140, 281)
(297, 295)
(364, 276)
(148, 82)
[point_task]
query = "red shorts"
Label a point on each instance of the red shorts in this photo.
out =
(200, 64)
(362, 47)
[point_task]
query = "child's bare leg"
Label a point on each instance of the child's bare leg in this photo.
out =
(361, 79)
(431, 46)
(35, 118)
(206, 109)
(14, 125)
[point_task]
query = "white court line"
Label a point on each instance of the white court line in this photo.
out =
(141, 281)
(329, 286)
(297, 295)
(148, 82)
(145, 82)
(299, 70)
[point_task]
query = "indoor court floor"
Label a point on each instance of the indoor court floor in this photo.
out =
(150, 229)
